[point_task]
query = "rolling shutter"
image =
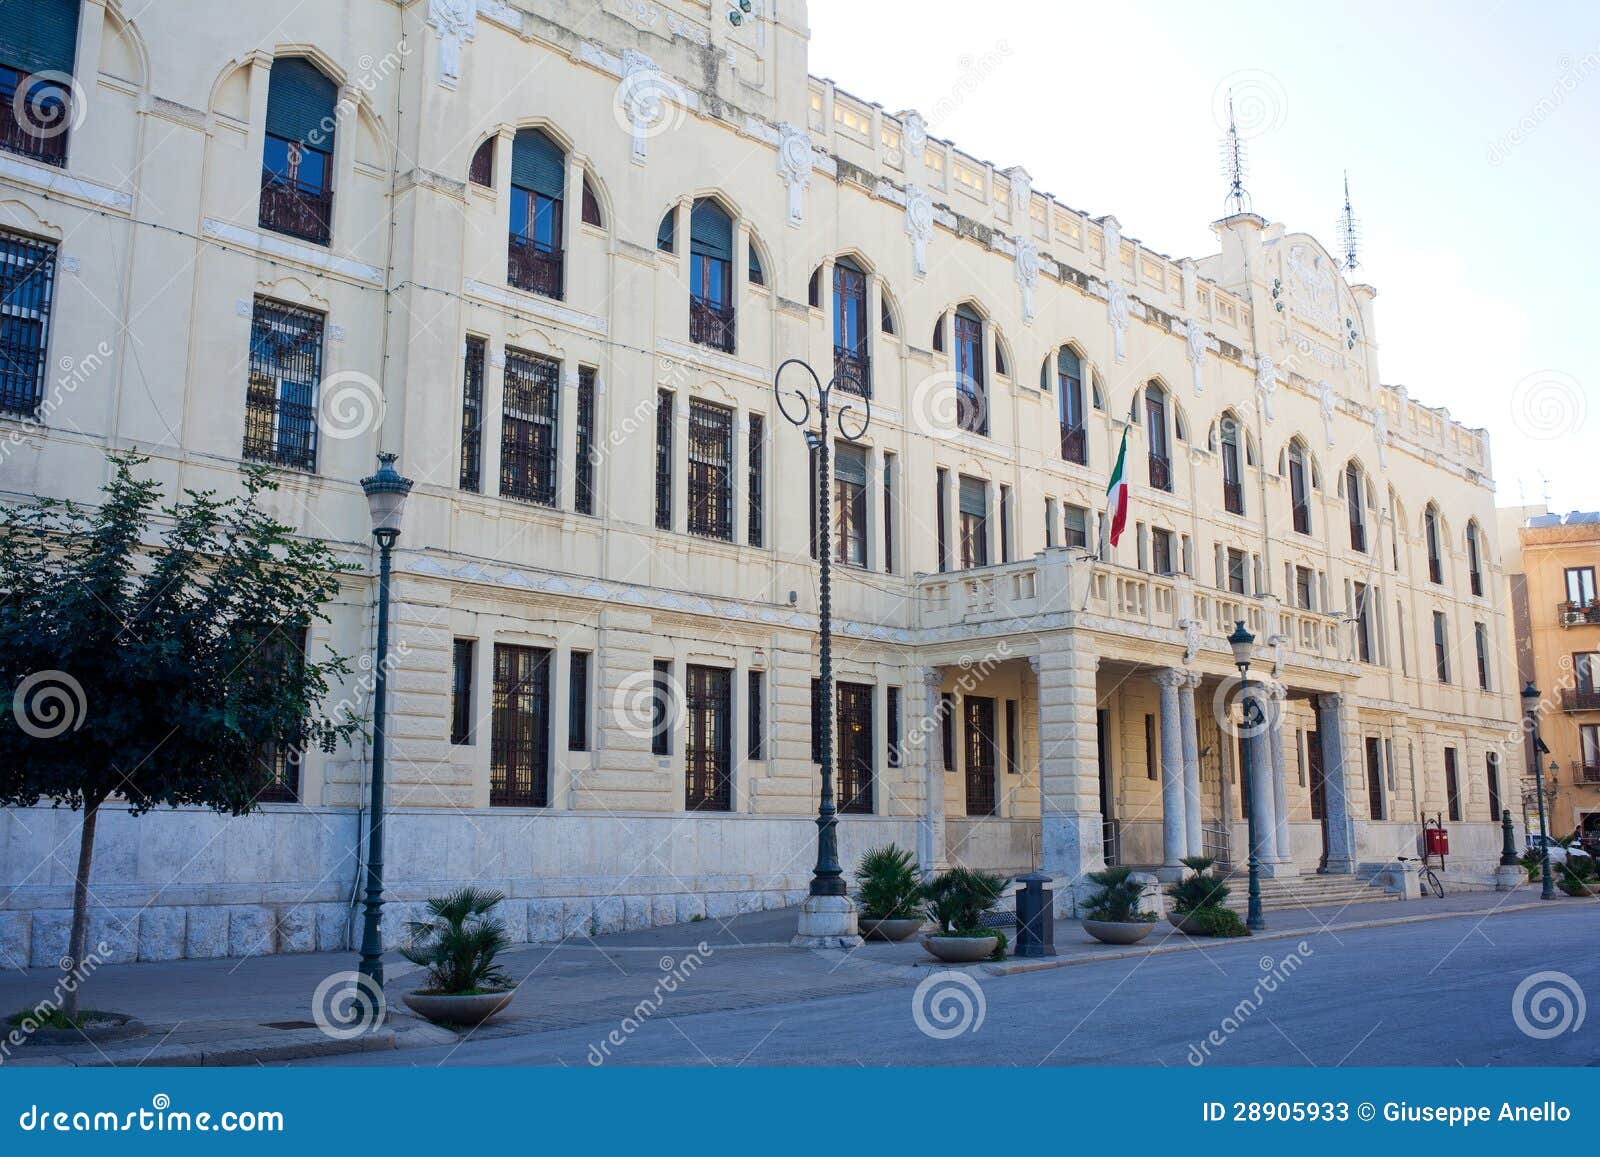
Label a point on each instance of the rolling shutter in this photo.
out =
(710, 231)
(301, 103)
(974, 497)
(538, 164)
(39, 35)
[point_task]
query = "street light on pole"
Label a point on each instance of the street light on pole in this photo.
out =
(828, 917)
(386, 501)
(1242, 642)
(1530, 707)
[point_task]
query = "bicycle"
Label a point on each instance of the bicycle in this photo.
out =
(1427, 879)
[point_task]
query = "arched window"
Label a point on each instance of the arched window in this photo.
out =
(938, 334)
(886, 313)
(481, 169)
(297, 159)
(972, 404)
(591, 206)
(1474, 558)
(851, 361)
(1156, 437)
(711, 276)
(1069, 406)
(36, 39)
(1300, 486)
(1232, 475)
(1430, 534)
(667, 231)
(754, 273)
(534, 259)
(1355, 502)
(1001, 367)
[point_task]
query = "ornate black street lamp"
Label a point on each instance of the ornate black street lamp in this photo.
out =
(827, 879)
(1530, 707)
(1241, 641)
(386, 501)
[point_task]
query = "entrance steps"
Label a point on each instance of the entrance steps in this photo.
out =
(1307, 891)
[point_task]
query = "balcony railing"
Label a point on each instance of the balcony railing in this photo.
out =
(1585, 772)
(1160, 472)
(36, 125)
(1358, 536)
(854, 371)
(293, 207)
(711, 324)
(1233, 497)
(1578, 614)
(533, 266)
(1580, 698)
(1302, 518)
(1075, 444)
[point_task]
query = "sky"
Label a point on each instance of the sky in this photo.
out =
(1470, 133)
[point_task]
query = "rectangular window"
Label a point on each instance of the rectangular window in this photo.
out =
(661, 708)
(850, 504)
(755, 715)
(280, 420)
(578, 701)
(1236, 571)
(583, 467)
(1049, 523)
(1441, 647)
(1375, 778)
(888, 513)
(1161, 550)
(1580, 586)
(854, 762)
(664, 459)
(1363, 623)
(974, 498)
(1491, 772)
(461, 691)
(1302, 588)
(528, 442)
(472, 416)
(1480, 634)
(1012, 765)
(757, 470)
(1077, 527)
(519, 756)
(1152, 756)
(892, 711)
(941, 489)
(1589, 752)
(708, 750)
(947, 712)
(1586, 671)
(1452, 789)
(710, 470)
(37, 109)
(28, 277)
(278, 764)
(1005, 524)
(972, 399)
(981, 755)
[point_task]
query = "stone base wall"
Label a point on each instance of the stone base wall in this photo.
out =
(189, 883)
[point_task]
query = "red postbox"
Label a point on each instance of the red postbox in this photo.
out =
(1436, 841)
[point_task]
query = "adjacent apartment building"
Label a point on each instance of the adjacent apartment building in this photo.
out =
(1551, 561)
(553, 255)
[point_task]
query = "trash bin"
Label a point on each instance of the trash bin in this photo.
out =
(1036, 927)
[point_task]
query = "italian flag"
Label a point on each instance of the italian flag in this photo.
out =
(1117, 493)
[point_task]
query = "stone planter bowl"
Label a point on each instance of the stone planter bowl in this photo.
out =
(897, 929)
(1181, 922)
(113, 1026)
(1119, 931)
(960, 949)
(473, 1009)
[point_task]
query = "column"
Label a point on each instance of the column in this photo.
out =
(921, 753)
(875, 509)
(1263, 805)
(562, 788)
(1193, 837)
(739, 484)
(574, 273)
(1174, 827)
(741, 765)
(680, 461)
(1341, 831)
(1072, 832)
(1277, 693)
(567, 437)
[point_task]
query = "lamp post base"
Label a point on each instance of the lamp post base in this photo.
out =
(827, 922)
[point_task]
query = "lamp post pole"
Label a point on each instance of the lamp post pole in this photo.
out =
(1241, 642)
(386, 494)
(826, 921)
(1530, 703)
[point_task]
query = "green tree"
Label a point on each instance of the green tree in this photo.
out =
(152, 653)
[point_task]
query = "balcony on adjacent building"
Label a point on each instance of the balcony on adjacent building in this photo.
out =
(853, 370)
(295, 208)
(533, 266)
(1578, 614)
(711, 324)
(1585, 772)
(1580, 698)
(34, 122)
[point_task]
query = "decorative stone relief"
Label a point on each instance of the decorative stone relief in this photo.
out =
(1117, 315)
(1313, 287)
(1380, 434)
(1113, 238)
(1195, 339)
(919, 226)
(1189, 276)
(794, 166)
(1266, 382)
(640, 95)
(1328, 405)
(914, 133)
(1021, 196)
(1027, 274)
(454, 22)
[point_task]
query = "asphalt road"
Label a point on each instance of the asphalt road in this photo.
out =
(1436, 993)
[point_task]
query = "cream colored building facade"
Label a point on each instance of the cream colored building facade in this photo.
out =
(1087, 700)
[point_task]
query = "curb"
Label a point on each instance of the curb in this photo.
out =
(259, 1050)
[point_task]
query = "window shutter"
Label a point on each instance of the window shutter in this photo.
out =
(710, 231)
(974, 497)
(39, 35)
(538, 164)
(301, 103)
(850, 464)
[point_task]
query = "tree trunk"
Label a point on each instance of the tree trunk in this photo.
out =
(80, 905)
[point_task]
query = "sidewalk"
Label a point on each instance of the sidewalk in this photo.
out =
(258, 1010)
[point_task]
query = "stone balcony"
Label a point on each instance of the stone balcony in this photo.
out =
(1059, 588)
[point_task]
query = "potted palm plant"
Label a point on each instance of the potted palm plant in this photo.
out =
(957, 901)
(1113, 915)
(458, 947)
(891, 894)
(1199, 902)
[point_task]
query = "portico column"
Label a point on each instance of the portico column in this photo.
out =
(1336, 806)
(924, 736)
(1072, 835)
(1174, 829)
(1262, 800)
(1280, 788)
(1193, 837)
